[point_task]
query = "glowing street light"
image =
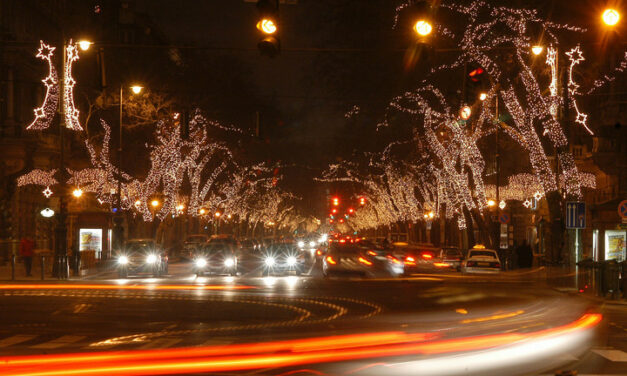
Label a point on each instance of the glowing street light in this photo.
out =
(154, 203)
(84, 44)
(611, 17)
(537, 49)
(483, 96)
(77, 192)
(267, 26)
(202, 211)
(180, 207)
(47, 213)
(465, 112)
(491, 203)
(218, 214)
(423, 28)
(136, 89)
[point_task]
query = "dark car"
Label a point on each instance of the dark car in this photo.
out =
(354, 258)
(192, 244)
(452, 256)
(423, 258)
(141, 256)
(283, 258)
(217, 258)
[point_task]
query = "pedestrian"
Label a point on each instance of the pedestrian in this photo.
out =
(27, 247)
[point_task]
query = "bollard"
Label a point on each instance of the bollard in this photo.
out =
(43, 266)
(13, 268)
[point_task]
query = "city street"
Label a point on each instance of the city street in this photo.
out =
(102, 314)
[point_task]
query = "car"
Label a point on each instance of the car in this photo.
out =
(481, 260)
(347, 258)
(141, 256)
(216, 258)
(422, 258)
(192, 243)
(283, 258)
(452, 256)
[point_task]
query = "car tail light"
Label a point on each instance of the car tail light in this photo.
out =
(427, 256)
(364, 261)
(330, 260)
(410, 260)
(441, 264)
(393, 259)
(342, 240)
(372, 253)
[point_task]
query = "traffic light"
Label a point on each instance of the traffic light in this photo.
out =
(362, 201)
(268, 27)
(336, 201)
(478, 84)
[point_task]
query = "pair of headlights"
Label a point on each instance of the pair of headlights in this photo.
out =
(301, 244)
(229, 262)
(270, 261)
(150, 259)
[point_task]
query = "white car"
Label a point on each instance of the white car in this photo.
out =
(481, 260)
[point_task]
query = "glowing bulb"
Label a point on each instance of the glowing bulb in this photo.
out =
(202, 211)
(180, 207)
(267, 26)
(154, 203)
(84, 44)
(47, 212)
(77, 192)
(537, 50)
(611, 17)
(502, 204)
(483, 96)
(423, 28)
(138, 203)
(465, 112)
(218, 214)
(136, 89)
(491, 203)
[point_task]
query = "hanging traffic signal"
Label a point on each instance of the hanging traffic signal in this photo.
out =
(478, 84)
(362, 201)
(268, 27)
(336, 201)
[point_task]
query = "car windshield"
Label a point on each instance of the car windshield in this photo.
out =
(452, 253)
(482, 254)
(140, 246)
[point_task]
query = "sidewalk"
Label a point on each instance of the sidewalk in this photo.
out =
(20, 272)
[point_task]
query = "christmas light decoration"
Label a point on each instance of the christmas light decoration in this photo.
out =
(45, 113)
(576, 57)
(71, 112)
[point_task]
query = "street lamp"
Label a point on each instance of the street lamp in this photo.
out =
(47, 213)
(77, 192)
(154, 203)
(118, 219)
(84, 44)
(537, 49)
(423, 28)
(483, 96)
(611, 17)
(491, 203)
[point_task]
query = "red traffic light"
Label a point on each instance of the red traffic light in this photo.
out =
(336, 201)
(475, 73)
(351, 211)
(362, 201)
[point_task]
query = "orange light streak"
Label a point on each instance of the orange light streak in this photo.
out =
(122, 287)
(316, 352)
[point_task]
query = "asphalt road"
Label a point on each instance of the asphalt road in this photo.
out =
(105, 314)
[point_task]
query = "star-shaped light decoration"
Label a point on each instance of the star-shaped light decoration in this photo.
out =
(39, 112)
(581, 118)
(537, 195)
(47, 192)
(49, 81)
(45, 51)
(527, 203)
(575, 55)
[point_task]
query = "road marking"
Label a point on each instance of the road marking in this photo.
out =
(612, 355)
(161, 343)
(15, 340)
(59, 342)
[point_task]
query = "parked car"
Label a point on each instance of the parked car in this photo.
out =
(141, 256)
(217, 258)
(452, 256)
(345, 258)
(481, 260)
(283, 258)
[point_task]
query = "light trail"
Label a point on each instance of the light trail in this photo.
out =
(124, 287)
(278, 354)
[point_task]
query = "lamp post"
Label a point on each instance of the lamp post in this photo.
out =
(118, 219)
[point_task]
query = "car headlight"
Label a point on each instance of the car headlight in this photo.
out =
(151, 259)
(201, 262)
(122, 260)
(312, 244)
(229, 262)
(269, 261)
(291, 261)
(301, 244)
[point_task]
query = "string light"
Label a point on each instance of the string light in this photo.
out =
(71, 112)
(45, 113)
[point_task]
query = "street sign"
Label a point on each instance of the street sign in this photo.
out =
(504, 218)
(575, 215)
(622, 209)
